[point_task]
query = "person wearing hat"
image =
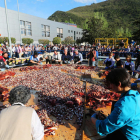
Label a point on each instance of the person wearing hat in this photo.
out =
(66, 58)
(110, 61)
(19, 122)
(77, 57)
(56, 58)
(119, 62)
(34, 59)
(129, 65)
(124, 121)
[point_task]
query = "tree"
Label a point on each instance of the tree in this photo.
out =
(95, 30)
(13, 40)
(69, 40)
(43, 41)
(136, 33)
(27, 41)
(6, 39)
(1, 40)
(56, 40)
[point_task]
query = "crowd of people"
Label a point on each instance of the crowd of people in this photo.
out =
(19, 51)
(123, 122)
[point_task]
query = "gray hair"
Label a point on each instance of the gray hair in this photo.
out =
(19, 94)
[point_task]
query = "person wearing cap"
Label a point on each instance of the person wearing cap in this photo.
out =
(34, 59)
(77, 57)
(66, 58)
(119, 62)
(110, 61)
(56, 58)
(19, 122)
(129, 65)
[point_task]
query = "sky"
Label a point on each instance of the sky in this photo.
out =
(45, 8)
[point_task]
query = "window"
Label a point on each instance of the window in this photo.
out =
(26, 28)
(68, 31)
(77, 32)
(45, 30)
(60, 32)
(71, 31)
(77, 37)
(23, 32)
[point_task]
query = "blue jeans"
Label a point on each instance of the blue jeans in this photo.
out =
(93, 63)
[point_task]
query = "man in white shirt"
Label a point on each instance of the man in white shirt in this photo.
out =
(56, 58)
(19, 121)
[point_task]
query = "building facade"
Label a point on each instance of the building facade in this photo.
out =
(35, 27)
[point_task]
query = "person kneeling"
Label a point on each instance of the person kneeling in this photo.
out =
(66, 58)
(123, 123)
(19, 122)
(34, 60)
(56, 58)
(77, 57)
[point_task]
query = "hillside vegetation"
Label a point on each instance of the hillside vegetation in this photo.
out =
(118, 14)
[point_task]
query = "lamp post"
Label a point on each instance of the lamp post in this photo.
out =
(8, 28)
(19, 22)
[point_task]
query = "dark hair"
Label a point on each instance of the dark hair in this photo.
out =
(116, 57)
(128, 56)
(35, 53)
(119, 75)
(41, 58)
(4, 53)
(19, 94)
(110, 53)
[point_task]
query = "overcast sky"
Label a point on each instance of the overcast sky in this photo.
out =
(45, 8)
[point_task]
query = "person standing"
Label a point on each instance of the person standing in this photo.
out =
(92, 57)
(19, 50)
(19, 121)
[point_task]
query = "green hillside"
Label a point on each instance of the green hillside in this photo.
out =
(122, 13)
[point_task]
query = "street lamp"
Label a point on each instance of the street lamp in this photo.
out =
(8, 28)
(19, 22)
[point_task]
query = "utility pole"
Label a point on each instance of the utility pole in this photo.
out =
(19, 22)
(8, 28)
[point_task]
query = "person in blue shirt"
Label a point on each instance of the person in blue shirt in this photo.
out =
(124, 120)
(77, 57)
(34, 60)
(66, 58)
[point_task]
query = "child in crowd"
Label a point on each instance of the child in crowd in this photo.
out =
(129, 65)
(119, 62)
(110, 61)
